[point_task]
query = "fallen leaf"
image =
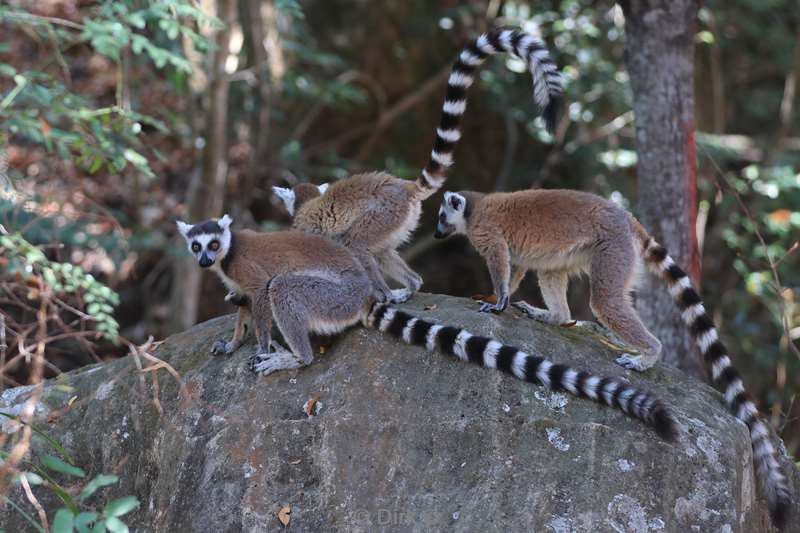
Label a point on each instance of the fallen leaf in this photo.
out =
(430, 307)
(322, 350)
(72, 400)
(571, 324)
(3, 262)
(295, 462)
(488, 298)
(310, 405)
(284, 515)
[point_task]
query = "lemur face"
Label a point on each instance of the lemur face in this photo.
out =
(294, 197)
(451, 216)
(209, 241)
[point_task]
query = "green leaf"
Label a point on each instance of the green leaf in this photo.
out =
(83, 520)
(116, 525)
(121, 506)
(33, 478)
(62, 523)
(54, 463)
(102, 480)
(99, 527)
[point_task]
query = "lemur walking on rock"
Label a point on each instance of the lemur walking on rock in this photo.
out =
(373, 214)
(306, 283)
(561, 233)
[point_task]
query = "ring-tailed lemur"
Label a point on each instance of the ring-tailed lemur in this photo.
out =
(306, 284)
(372, 214)
(559, 233)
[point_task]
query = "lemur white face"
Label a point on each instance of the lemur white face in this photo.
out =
(451, 216)
(209, 241)
(287, 197)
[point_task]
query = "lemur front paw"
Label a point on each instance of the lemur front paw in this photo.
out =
(499, 307)
(536, 313)
(399, 296)
(264, 364)
(224, 347)
(635, 362)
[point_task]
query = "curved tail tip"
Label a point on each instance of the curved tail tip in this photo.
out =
(664, 424)
(550, 114)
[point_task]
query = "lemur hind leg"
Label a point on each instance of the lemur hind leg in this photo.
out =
(397, 269)
(302, 304)
(612, 272)
(553, 285)
(381, 290)
(367, 235)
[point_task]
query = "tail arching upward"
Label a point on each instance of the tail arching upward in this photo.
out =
(547, 91)
(724, 376)
(490, 353)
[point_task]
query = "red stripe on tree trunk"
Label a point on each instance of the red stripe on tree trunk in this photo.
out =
(691, 197)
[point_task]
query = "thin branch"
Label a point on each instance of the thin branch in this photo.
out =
(30, 17)
(31, 498)
(384, 120)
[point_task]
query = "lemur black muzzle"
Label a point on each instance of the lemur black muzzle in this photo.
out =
(205, 262)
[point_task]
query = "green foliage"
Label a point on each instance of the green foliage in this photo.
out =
(42, 109)
(63, 278)
(78, 514)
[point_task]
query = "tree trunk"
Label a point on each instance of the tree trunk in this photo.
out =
(659, 56)
(207, 188)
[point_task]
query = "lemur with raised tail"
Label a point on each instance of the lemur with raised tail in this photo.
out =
(373, 214)
(306, 283)
(561, 233)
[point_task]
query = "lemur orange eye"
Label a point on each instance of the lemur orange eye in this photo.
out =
(195, 247)
(213, 246)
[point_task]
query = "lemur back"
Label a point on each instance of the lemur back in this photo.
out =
(560, 233)
(373, 214)
(305, 283)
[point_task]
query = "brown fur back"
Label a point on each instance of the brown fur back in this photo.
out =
(547, 229)
(382, 198)
(259, 257)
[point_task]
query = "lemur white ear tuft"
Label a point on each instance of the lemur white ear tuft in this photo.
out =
(286, 195)
(225, 222)
(183, 227)
(322, 188)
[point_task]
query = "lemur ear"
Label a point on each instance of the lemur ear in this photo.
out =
(286, 195)
(225, 222)
(456, 201)
(322, 188)
(183, 227)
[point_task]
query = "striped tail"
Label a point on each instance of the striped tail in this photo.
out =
(492, 354)
(547, 92)
(724, 376)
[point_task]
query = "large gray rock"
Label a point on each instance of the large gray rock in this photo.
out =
(404, 441)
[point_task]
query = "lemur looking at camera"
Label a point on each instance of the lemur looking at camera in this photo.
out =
(373, 214)
(306, 283)
(562, 233)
